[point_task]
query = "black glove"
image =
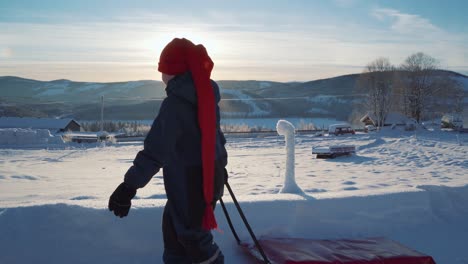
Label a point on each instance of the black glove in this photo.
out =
(121, 200)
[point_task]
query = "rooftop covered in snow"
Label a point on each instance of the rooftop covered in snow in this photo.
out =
(392, 118)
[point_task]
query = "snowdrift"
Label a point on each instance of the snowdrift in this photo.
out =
(17, 137)
(431, 221)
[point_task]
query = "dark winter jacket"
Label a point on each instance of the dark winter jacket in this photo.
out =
(174, 144)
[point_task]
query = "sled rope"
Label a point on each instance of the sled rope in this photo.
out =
(229, 222)
(260, 249)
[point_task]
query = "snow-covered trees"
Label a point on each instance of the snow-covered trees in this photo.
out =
(376, 82)
(425, 91)
(131, 128)
(417, 88)
(417, 83)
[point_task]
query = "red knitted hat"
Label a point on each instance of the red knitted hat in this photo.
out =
(180, 56)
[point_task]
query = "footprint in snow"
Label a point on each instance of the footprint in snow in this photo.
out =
(79, 198)
(314, 190)
(25, 177)
(156, 196)
(351, 189)
(349, 183)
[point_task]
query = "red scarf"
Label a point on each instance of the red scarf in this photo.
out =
(179, 56)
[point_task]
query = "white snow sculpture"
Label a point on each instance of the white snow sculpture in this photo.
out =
(286, 129)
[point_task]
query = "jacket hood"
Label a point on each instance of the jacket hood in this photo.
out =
(183, 87)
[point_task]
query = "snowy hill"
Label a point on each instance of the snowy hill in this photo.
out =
(25, 90)
(328, 98)
(331, 97)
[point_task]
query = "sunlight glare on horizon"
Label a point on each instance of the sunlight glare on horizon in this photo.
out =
(159, 40)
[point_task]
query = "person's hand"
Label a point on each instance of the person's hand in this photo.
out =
(121, 200)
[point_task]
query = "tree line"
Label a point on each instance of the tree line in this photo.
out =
(131, 128)
(417, 88)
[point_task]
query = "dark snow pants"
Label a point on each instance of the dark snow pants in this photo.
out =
(197, 246)
(184, 239)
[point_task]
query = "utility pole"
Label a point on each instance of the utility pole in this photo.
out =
(102, 113)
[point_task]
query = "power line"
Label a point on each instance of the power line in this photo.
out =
(145, 99)
(162, 98)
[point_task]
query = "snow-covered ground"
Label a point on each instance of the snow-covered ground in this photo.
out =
(408, 186)
(11, 137)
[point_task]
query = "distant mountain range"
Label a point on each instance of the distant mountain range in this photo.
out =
(332, 98)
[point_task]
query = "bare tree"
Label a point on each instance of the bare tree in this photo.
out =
(447, 95)
(458, 98)
(425, 91)
(377, 82)
(417, 83)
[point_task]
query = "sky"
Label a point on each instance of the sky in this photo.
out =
(294, 40)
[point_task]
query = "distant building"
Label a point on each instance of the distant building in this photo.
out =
(52, 124)
(392, 118)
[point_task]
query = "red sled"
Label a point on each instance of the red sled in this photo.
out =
(309, 251)
(344, 251)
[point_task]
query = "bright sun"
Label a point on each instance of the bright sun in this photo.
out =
(207, 39)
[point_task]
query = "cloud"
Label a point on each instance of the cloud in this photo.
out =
(415, 33)
(404, 23)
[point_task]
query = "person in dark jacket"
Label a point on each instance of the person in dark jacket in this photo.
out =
(186, 141)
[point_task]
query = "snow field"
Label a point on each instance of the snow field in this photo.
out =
(407, 186)
(431, 221)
